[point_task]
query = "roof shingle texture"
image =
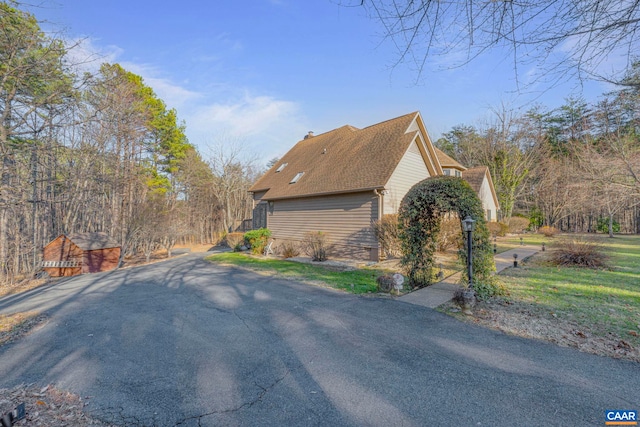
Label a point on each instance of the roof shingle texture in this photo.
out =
(475, 176)
(92, 241)
(342, 160)
(446, 161)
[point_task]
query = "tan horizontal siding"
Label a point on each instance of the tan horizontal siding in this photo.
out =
(346, 220)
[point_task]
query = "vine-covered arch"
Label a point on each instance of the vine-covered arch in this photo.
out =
(420, 216)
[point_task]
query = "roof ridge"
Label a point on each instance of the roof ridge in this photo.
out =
(345, 127)
(391, 120)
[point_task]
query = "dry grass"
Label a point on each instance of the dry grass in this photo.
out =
(579, 253)
(289, 250)
(17, 325)
(47, 407)
(21, 286)
(548, 231)
(531, 320)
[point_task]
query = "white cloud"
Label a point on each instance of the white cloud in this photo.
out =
(174, 95)
(86, 56)
(269, 125)
(249, 116)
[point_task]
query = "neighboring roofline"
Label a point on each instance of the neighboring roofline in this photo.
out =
(487, 175)
(455, 165)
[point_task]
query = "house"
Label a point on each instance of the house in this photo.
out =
(73, 254)
(480, 180)
(342, 180)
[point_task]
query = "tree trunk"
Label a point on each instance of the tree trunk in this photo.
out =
(610, 225)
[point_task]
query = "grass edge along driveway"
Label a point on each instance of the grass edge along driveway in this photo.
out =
(358, 281)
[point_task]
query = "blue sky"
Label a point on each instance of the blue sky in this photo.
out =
(262, 73)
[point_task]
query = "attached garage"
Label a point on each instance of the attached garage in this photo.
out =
(70, 255)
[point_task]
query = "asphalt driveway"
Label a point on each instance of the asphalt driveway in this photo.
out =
(188, 343)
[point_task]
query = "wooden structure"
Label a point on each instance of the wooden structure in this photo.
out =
(70, 255)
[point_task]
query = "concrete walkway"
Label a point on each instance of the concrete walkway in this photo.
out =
(442, 292)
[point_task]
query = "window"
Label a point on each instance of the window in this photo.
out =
(488, 215)
(282, 166)
(447, 172)
(297, 177)
(458, 174)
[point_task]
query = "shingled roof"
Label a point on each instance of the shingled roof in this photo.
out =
(343, 160)
(93, 241)
(475, 176)
(446, 161)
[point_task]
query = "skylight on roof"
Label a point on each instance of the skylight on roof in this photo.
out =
(297, 177)
(282, 166)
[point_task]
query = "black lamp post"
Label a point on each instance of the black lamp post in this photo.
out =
(468, 224)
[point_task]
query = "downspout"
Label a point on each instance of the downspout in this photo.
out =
(380, 194)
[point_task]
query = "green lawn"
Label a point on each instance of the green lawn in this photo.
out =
(601, 301)
(358, 281)
(511, 242)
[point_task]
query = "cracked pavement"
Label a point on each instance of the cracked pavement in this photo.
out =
(188, 343)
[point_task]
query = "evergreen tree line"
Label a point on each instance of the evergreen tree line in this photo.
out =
(576, 167)
(86, 152)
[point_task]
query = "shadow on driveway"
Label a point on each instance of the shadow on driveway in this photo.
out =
(189, 343)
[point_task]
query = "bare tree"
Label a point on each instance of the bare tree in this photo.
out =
(566, 38)
(607, 179)
(506, 145)
(233, 173)
(555, 190)
(204, 213)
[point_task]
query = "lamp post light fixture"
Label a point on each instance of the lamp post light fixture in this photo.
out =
(543, 247)
(515, 260)
(468, 224)
(468, 296)
(521, 242)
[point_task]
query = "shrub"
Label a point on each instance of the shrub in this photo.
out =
(517, 224)
(579, 253)
(603, 225)
(385, 283)
(420, 218)
(548, 231)
(289, 250)
(498, 228)
(488, 288)
(450, 234)
(258, 239)
(235, 240)
(388, 235)
(315, 245)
